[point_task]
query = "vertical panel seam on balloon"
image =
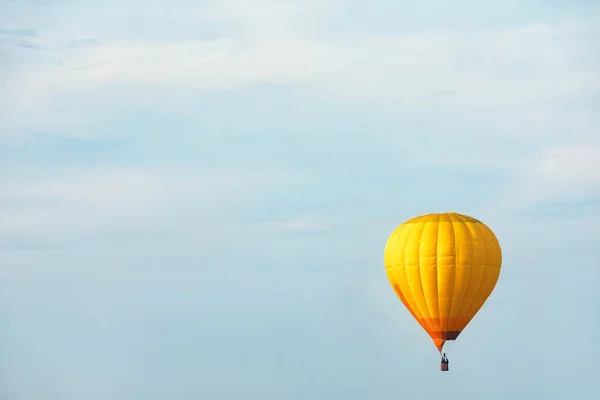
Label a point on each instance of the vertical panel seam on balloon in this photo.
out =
(488, 234)
(464, 308)
(460, 313)
(428, 304)
(437, 272)
(456, 305)
(485, 266)
(399, 292)
(453, 278)
(406, 273)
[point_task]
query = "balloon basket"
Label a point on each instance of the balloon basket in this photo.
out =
(444, 366)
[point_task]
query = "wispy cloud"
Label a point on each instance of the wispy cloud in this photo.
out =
(518, 80)
(577, 165)
(71, 205)
(17, 38)
(559, 184)
(18, 32)
(28, 39)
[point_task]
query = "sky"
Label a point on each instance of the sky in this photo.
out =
(195, 195)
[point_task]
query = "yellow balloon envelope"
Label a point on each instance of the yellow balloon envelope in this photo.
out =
(443, 267)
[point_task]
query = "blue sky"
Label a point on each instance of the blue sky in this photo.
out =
(194, 197)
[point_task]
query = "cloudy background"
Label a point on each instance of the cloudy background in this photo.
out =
(195, 196)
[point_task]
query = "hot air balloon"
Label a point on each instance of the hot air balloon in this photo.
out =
(443, 267)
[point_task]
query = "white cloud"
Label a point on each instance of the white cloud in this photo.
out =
(203, 65)
(515, 79)
(97, 202)
(507, 68)
(270, 17)
(558, 181)
(572, 165)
